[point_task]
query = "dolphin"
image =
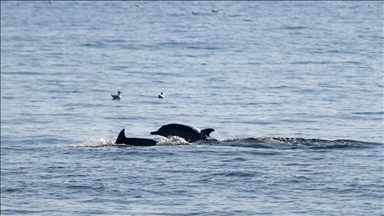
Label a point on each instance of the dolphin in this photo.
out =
(121, 139)
(190, 134)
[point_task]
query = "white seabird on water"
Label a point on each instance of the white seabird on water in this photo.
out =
(161, 95)
(116, 97)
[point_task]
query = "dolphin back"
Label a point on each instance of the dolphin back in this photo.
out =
(190, 134)
(122, 139)
(140, 142)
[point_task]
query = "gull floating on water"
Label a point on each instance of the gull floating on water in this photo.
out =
(116, 97)
(161, 95)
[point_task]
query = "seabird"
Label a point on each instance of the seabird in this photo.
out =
(116, 97)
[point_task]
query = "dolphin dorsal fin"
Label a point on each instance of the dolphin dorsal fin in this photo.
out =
(121, 138)
(205, 133)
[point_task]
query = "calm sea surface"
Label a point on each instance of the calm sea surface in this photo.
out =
(294, 91)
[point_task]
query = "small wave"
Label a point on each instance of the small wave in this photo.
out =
(294, 27)
(293, 143)
(93, 45)
(248, 142)
(97, 142)
(310, 62)
(369, 113)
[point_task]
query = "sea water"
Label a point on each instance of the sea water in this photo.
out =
(294, 91)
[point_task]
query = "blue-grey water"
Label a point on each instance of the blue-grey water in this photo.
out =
(294, 91)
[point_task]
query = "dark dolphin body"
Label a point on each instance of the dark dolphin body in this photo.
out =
(121, 139)
(190, 134)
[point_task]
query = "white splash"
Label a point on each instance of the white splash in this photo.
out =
(173, 140)
(95, 142)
